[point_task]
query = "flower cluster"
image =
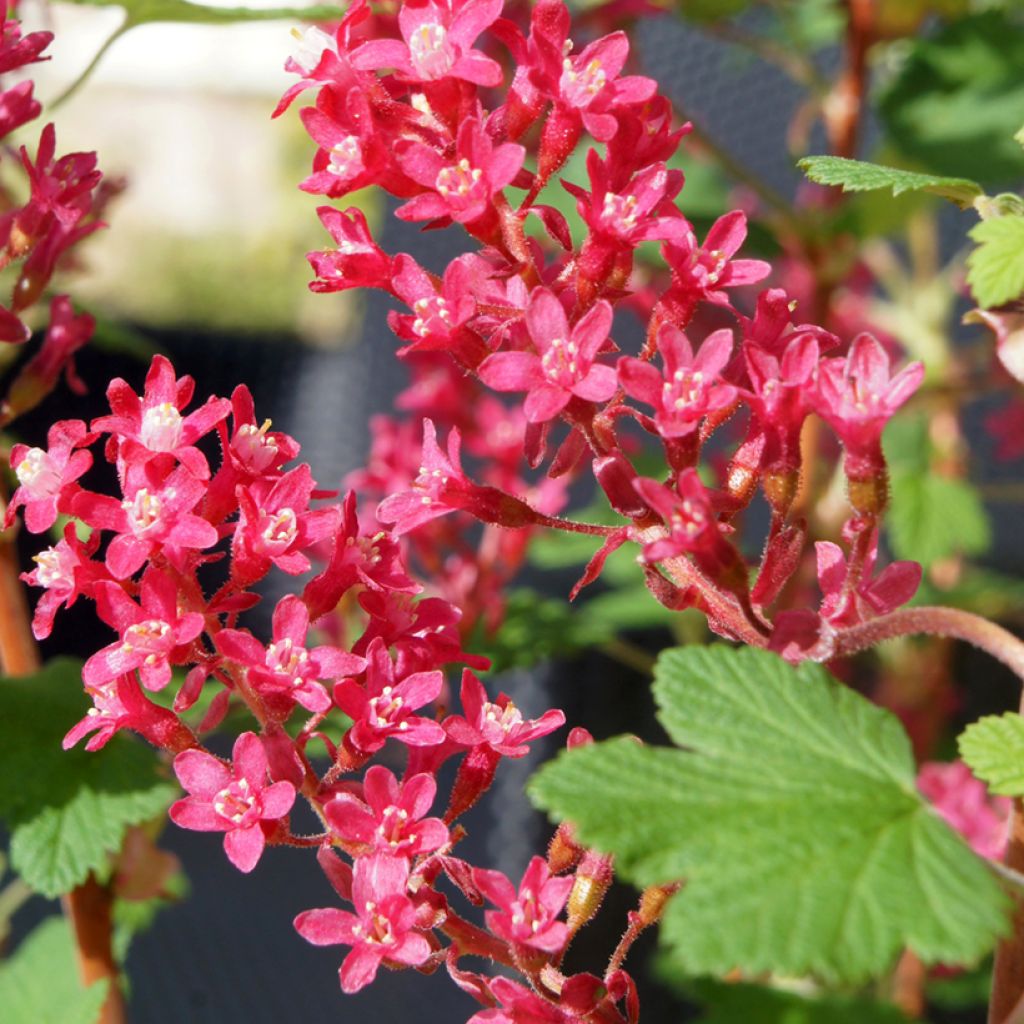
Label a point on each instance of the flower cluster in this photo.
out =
(147, 562)
(467, 115)
(54, 203)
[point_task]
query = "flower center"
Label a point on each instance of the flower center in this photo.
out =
(505, 718)
(280, 529)
(285, 658)
(150, 636)
(460, 183)
(559, 362)
(619, 212)
(346, 158)
(432, 55)
(235, 802)
(683, 390)
(55, 568)
(38, 474)
(254, 447)
(689, 519)
(310, 45)
(385, 708)
(579, 85)
(432, 315)
(392, 827)
(161, 428)
(143, 511)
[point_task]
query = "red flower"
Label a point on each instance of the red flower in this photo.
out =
(857, 397)
(65, 571)
(384, 707)
(565, 364)
(47, 478)
(275, 526)
(529, 917)
(499, 726)
(153, 425)
(439, 316)
(150, 636)
(690, 387)
(382, 929)
(437, 41)
(357, 262)
(157, 514)
(520, 1006)
(235, 801)
(286, 672)
(462, 188)
(392, 818)
(894, 586)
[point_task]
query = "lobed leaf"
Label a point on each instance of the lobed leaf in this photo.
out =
(934, 517)
(993, 748)
(859, 176)
(70, 809)
(995, 270)
(792, 816)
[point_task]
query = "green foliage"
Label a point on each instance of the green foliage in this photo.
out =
(858, 176)
(69, 810)
(995, 270)
(993, 748)
(933, 517)
(536, 628)
(793, 816)
(710, 10)
(757, 1004)
(142, 12)
(956, 102)
(39, 984)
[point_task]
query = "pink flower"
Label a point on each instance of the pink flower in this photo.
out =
(235, 800)
(857, 397)
(357, 559)
(564, 366)
(47, 477)
(463, 187)
(120, 704)
(529, 917)
(65, 335)
(150, 636)
(276, 526)
(156, 513)
(499, 726)
(392, 818)
(702, 273)
(894, 586)
(520, 1006)
(381, 929)
(690, 386)
(640, 211)
(963, 802)
(384, 707)
(154, 425)
(440, 314)
(437, 42)
(65, 571)
(286, 672)
(357, 262)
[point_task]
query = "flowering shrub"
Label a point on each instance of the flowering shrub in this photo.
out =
(784, 835)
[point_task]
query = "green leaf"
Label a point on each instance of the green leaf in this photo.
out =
(995, 270)
(858, 176)
(993, 748)
(39, 984)
(793, 816)
(757, 1004)
(956, 101)
(141, 12)
(934, 517)
(69, 810)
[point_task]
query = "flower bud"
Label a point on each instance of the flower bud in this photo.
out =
(564, 852)
(593, 879)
